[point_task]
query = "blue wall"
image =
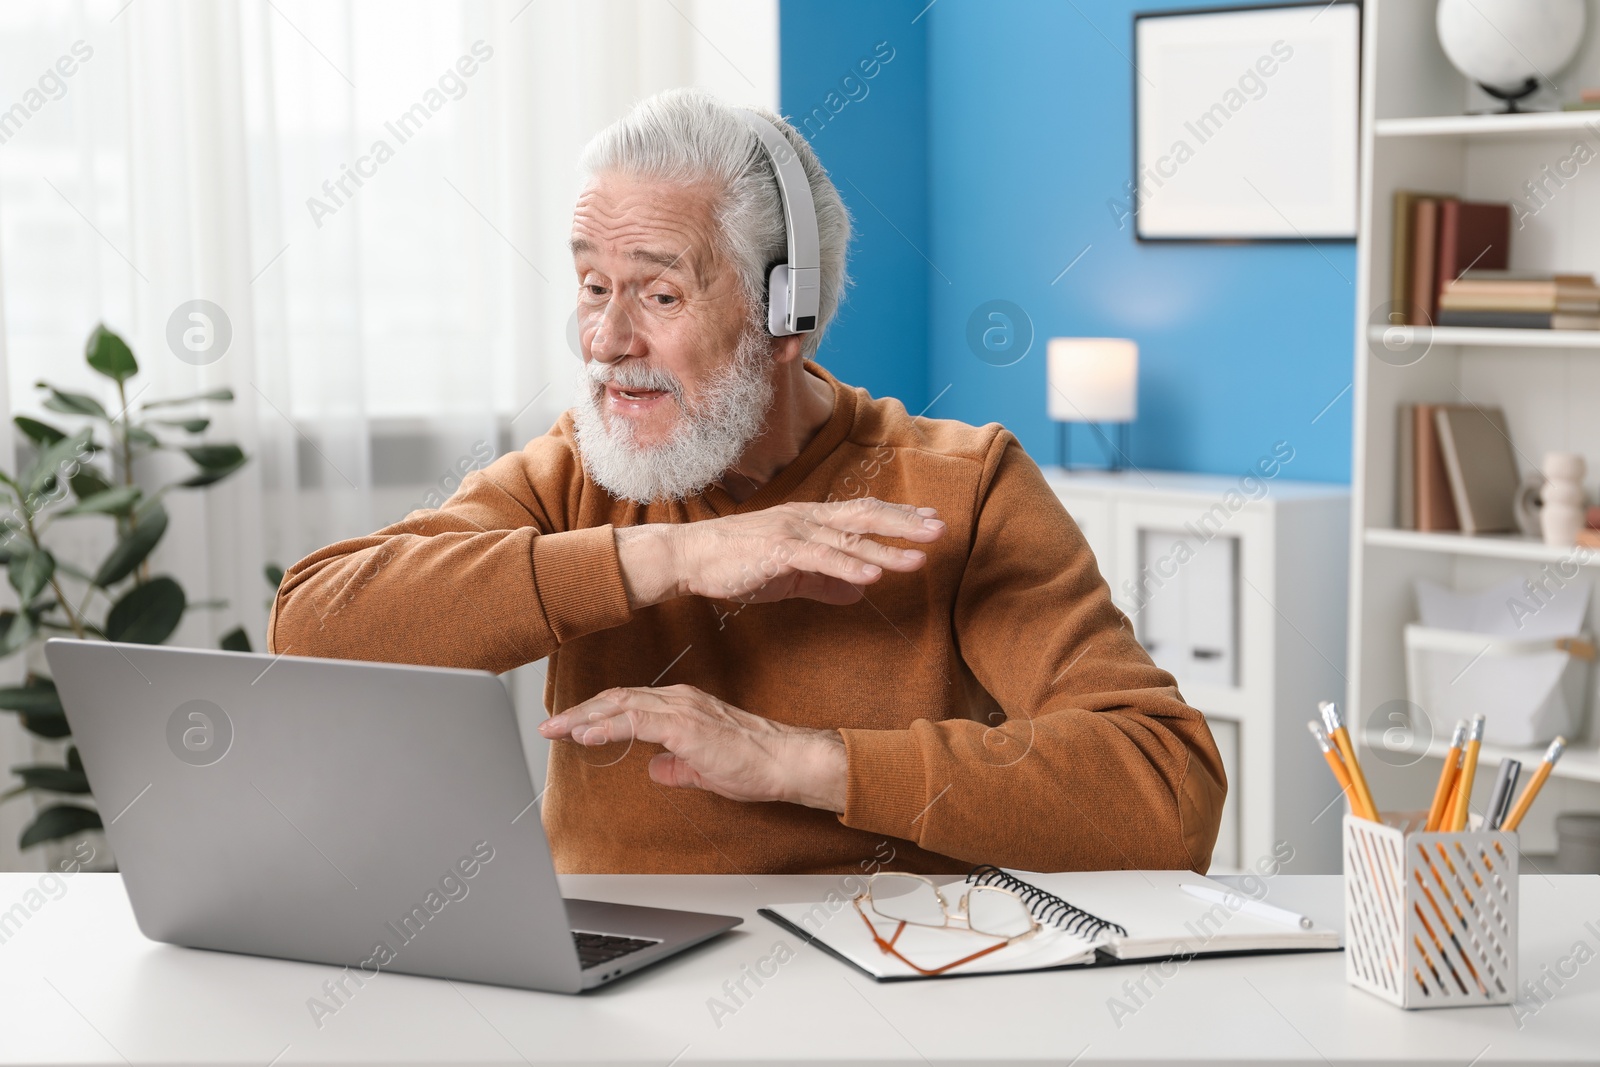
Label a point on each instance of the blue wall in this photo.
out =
(871, 134)
(1000, 172)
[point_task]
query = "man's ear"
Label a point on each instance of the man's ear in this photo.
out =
(787, 349)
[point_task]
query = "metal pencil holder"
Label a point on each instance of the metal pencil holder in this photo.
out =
(1430, 919)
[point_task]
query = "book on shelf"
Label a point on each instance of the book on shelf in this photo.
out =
(1481, 466)
(1402, 312)
(1455, 470)
(1405, 481)
(1473, 235)
(1557, 277)
(1435, 504)
(1519, 320)
(1421, 300)
(1438, 237)
(1521, 300)
(1573, 294)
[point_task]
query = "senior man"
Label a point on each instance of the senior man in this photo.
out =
(790, 627)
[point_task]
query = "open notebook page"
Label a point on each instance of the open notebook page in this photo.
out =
(1163, 920)
(845, 934)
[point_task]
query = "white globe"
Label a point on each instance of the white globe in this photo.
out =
(1503, 43)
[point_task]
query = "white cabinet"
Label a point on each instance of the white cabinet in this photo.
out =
(1237, 586)
(1192, 630)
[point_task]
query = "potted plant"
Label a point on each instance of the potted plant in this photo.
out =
(87, 473)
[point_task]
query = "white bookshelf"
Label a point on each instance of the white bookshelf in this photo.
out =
(1415, 135)
(1582, 765)
(1488, 127)
(1492, 546)
(1472, 336)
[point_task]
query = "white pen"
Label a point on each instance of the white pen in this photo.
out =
(1235, 901)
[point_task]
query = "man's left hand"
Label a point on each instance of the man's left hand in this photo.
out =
(713, 745)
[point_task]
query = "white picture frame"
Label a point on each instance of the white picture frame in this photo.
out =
(1246, 123)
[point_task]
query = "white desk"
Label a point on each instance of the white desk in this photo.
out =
(79, 984)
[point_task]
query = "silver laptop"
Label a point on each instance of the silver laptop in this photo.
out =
(368, 815)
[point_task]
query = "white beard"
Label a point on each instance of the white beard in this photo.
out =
(709, 438)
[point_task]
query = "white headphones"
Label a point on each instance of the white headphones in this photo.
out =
(793, 288)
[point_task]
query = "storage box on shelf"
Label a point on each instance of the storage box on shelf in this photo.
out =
(1237, 586)
(1415, 135)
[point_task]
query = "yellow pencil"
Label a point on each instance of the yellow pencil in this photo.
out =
(1443, 793)
(1520, 808)
(1469, 769)
(1334, 721)
(1335, 762)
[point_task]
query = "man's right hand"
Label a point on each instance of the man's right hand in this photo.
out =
(821, 551)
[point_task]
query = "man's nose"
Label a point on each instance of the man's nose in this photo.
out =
(614, 336)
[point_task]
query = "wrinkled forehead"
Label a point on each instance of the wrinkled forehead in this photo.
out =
(623, 224)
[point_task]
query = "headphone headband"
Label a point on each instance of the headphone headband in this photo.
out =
(794, 287)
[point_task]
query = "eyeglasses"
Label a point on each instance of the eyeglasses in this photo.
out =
(912, 900)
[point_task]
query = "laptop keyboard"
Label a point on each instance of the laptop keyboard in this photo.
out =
(596, 949)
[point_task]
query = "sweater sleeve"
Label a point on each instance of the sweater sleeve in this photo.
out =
(1094, 760)
(490, 580)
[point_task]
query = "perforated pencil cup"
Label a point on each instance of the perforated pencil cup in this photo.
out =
(1430, 919)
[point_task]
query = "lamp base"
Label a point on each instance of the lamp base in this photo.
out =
(1115, 452)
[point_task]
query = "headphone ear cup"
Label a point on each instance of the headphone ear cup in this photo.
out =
(778, 301)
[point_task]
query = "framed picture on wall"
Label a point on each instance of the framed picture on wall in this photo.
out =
(1246, 121)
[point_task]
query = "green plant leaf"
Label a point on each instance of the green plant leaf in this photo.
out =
(31, 572)
(118, 501)
(235, 640)
(72, 403)
(62, 820)
(54, 779)
(41, 433)
(74, 760)
(51, 726)
(41, 476)
(38, 705)
(38, 698)
(110, 355)
(19, 630)
(147, 614)
(189, 425)
(133, 548)
(148, 506)
(140, 436)
(212, 457)
(88, 481)
(211, 477)
(274, 575)
(215, 394)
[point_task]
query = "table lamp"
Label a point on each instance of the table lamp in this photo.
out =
(1094, 380)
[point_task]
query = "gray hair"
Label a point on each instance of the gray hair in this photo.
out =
(689, 136)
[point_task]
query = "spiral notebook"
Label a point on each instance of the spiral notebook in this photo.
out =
(1088, 918)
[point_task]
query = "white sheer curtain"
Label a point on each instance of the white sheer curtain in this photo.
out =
(386, 332)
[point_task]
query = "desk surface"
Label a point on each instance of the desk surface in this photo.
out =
(79, 984)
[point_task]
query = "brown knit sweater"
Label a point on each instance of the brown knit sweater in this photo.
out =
(995, 706)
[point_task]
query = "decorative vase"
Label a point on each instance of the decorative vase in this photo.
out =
(1562, 513)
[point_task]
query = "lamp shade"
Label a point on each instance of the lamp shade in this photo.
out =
(1093, 379)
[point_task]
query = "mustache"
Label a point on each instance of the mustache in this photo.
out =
(628, 374)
